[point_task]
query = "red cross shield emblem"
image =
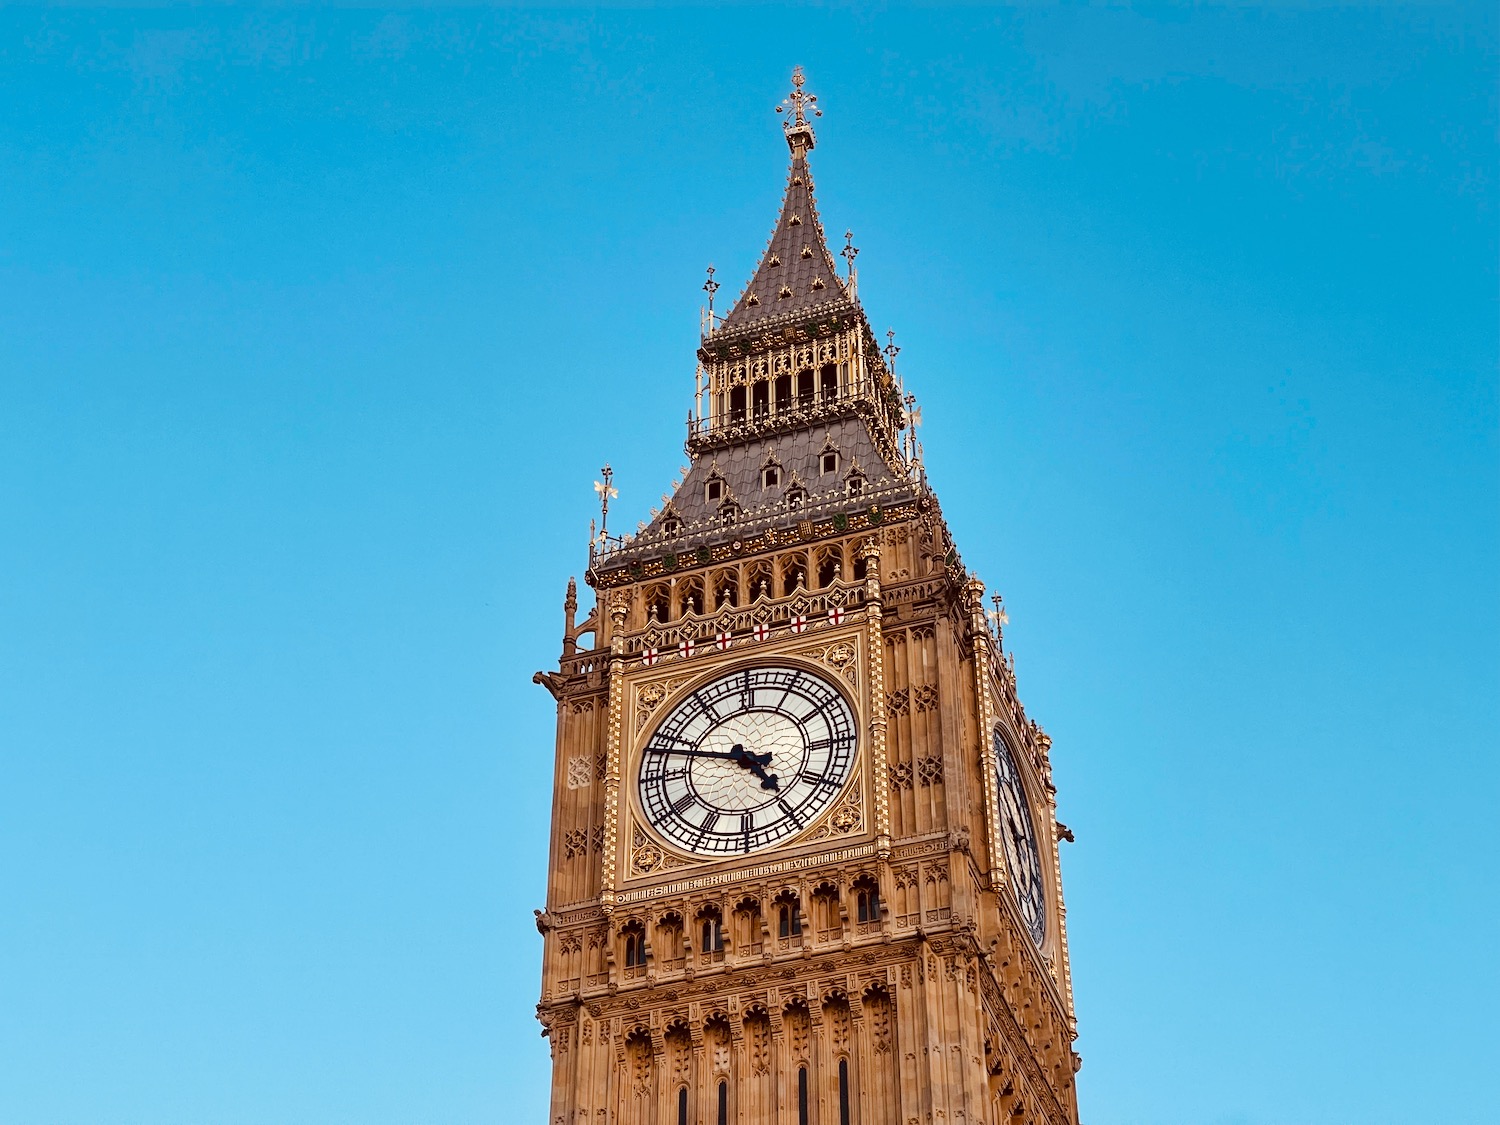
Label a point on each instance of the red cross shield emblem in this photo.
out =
(650, 657)
(685, 649)
(762, 631)
(799, 623)
(722, 639)
(835, 616)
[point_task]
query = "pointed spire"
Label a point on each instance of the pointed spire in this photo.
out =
(796, 272)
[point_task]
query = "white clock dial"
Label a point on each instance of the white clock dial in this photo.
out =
(747, 761)
(1022, 857)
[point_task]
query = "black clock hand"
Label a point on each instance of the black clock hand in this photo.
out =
(756, 764)
(728, 755)
(737, 751)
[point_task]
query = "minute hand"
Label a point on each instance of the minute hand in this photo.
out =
(736, 755)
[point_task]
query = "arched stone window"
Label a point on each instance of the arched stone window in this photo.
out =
(827, 923)
(793, 574)
(658, 604)
(690, 596)
(830, 566)
(866, 903)
(788, 915)
(759, 580)
(710, 927)
(633, 948)
(747, 935)
(670, 948)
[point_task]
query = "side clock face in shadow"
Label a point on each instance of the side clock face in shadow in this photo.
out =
(1022, 857)
(747, 761)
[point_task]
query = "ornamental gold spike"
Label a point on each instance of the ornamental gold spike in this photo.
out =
(797, 105)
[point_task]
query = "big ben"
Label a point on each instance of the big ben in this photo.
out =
(804, 857)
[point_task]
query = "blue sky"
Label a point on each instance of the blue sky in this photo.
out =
(316, 326)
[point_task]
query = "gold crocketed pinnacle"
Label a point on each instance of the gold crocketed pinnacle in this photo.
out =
(797, 106)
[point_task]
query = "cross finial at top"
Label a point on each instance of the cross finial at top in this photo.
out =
(892, 350)
(797, 106)
(710, 287)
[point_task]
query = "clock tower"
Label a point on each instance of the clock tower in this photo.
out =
(804, 860)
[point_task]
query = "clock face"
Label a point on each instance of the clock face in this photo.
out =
(747, 760)
(1021, 854)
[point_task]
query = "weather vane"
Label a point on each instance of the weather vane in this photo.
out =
(997, 616)
(797, 104)
(606, 494)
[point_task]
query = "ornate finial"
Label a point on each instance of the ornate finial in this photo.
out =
(850, 251)
(891, 350)
(710, 287)
(606, 494)
(799, 132)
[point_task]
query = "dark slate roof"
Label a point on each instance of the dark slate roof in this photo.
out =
(799, 454)
(796, 262)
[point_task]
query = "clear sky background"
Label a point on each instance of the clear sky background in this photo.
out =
(315, 328)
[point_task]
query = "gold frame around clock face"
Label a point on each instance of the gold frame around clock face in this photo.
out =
(747, 760)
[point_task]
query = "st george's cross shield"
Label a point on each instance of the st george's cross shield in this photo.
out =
(761, 631)
(799, 623)
(650, 656)
(685, 649)
(723, 639)
(835, 616)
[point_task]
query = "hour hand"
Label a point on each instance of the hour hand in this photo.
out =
(756, 764)
(738, 752)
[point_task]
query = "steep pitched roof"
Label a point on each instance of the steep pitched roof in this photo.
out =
(797, 272)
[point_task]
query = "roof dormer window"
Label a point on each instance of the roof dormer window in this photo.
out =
(770, 476)
(713, 490)
(829, 462)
